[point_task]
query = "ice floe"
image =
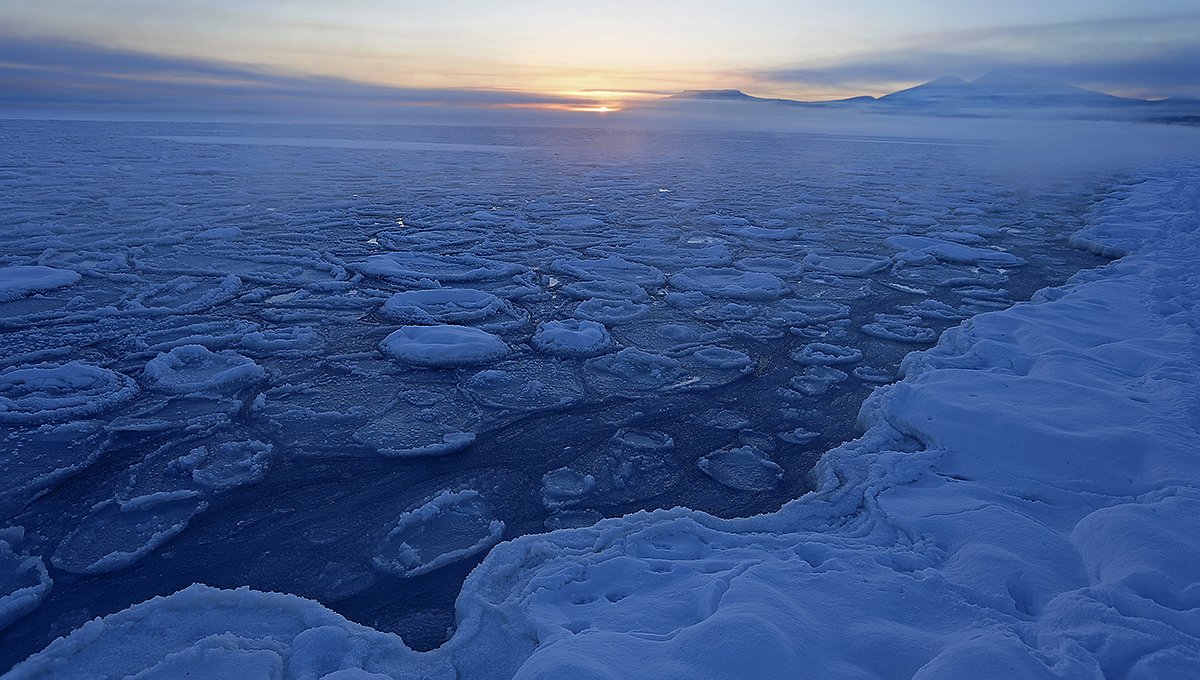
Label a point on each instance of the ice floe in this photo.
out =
(451, 527)
(443, 346)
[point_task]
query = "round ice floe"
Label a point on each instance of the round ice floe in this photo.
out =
(24, 583)
(414, 266)
(770, 264)
(725, 419)
(443, 346)
(900, 329)
(294, 340)
(228, 465)
(948, 251)
(631, 371)
(685, 252)
(744, 468)
(186, 294)
(172, 333)
(844, 264)
(451, 527)
(799, 436)
(722, 357)
(825, 354)
(933, 309)
(612, 289)
(20, 281)
(526, 387)
(610, 312)
(441, 305)
(610, 268)
(194, 368)
(793, 312)
(872, 374)
(564, 485)
(572, 338)
(724, 282)
(37, 459)
(816, 380)
(47, 392)
(119, 532)
(422, 423)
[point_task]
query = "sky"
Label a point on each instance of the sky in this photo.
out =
(309, 56)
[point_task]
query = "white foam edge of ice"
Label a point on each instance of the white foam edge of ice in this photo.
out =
(966, 556)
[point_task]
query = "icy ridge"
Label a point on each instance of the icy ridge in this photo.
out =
(1021, 505)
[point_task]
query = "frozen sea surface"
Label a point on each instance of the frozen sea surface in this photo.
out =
(343, 362)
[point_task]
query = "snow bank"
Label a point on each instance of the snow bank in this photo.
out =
(1021, 505)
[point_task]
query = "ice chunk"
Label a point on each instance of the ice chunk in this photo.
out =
(36, 460)
(24, 582)
(22, 280)
(423, 422)
(185, 295)
(723, 358)
(799, 436)
(228, 465)
(451, 527)
(290, 341)
(724, 282)
(816, 380)
(744, 468)
(443, 346)
(907, 329)
(873, 374)
(48, 392)
(611, 289)
(442, 306)
(825, 354)
(610, 268)
(611, 312)
(526, 387)
(565, 485)
(844, 264)
(572, 338)
(414, 266)
(190, 369)
(948, 251)
(119, 532)
(632, 371)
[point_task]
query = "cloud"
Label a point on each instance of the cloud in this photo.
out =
(72, 75)
(1148, 56)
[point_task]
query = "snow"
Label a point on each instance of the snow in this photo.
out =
(1020, 504)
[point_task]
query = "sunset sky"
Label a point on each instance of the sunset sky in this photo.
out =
(540, 53)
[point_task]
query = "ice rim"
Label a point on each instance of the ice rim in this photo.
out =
(1023, 503)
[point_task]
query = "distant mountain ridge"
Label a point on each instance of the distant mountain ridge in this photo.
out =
(994, 85)
(993, 93)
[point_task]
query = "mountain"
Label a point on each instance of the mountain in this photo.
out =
(992, 94)
(738, 95)
(1002, 89)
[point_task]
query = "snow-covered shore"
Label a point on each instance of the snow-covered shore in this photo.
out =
(1022, 504)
